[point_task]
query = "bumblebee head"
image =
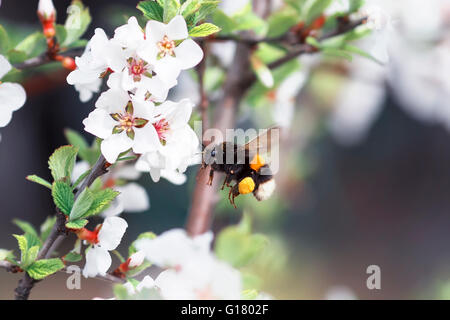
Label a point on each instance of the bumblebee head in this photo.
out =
(210, 154)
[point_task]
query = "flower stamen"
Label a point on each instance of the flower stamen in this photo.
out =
(166, 47)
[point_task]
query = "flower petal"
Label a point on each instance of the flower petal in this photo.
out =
(177, 28)
(99, 123)
(5, 66)
(189, 54)
(134, 197)
(114, 145)
(12, 96)
(111, 233)
(145, 139)
(155, 31)
(113, 101)
(98, 261)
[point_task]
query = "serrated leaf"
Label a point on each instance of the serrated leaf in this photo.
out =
(77, 22)
(33, 45)
(82, 204)
(76, 224)
(5, 43)
(170, 10)
(36, 179)
(25, 227)
(23, 245)
(30, 257)
(45, 267)
(46, 227)
(63, 196)
(101, 201)
(62, 161)
(204, 30)
(73, 257)
(152, 10)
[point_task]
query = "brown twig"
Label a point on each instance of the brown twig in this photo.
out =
(46, 58)
(58, 232)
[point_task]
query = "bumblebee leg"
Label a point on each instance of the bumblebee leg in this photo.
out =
(211, 177)
(224, 183)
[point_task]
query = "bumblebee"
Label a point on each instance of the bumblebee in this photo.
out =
(243, 164)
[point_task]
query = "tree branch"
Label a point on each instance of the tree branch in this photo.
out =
(46, 58)
(58, 232)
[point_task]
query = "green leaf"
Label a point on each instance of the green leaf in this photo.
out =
(32, 240)
(47, 226)
(23, 245)
(61, 33)
(77, 22)
(313, 42)
(5, 43)
(78, 141)
(34, 178)
(314, 9)
(73, 257)
(246, 19)
(170, 10)
(33, 45)
(281, 21)
(151, 10)
(25, 227)
(121, 292)
(337, 53)
(238, 246)
(82, 204)
(250, 294)
(62, 161)
(225, 23)
(30, 257)
(63, 196)
(360, 52)
(76, 224)
(16, 56)
(102, 200)
(204, 30)
(45, 267)
(355, 5)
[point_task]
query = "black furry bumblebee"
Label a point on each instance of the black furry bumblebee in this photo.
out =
(243, 164)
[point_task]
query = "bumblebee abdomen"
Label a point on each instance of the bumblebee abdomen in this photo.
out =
(265, 189)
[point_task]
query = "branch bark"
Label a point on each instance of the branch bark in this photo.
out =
(58, 232)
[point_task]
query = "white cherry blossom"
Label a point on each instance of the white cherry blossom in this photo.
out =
(178, 142)
(163, 51)
(202, 278)
(12, 95)
(174, 248)
(98, 259)
(123, 122)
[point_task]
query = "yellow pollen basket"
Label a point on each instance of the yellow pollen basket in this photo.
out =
(246, 185)
(257, 162)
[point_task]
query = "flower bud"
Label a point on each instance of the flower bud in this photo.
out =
(46, 11)
(69, 63)
(136, 259)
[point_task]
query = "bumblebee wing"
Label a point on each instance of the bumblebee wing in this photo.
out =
(263, 143)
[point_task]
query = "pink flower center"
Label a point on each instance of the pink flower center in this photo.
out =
(166, 47)
(127, 121)
(162, 126)
(137, 68)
